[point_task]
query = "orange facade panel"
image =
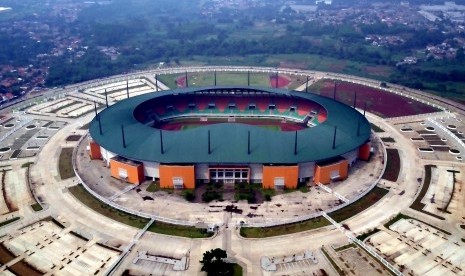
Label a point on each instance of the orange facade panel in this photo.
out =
(364, 152)
(94, 151)
(171, 176)
(287, 175)
(132, 172)
(335, 171)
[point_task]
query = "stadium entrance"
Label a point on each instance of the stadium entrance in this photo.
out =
(229, 175)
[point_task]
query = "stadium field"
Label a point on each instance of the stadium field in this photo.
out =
(270, 124)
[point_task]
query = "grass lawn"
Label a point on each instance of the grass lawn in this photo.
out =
(237, 270)
(344, 247)
(388, 140)
(73, 138)
(376, 128)
(157, 227)
(339, 215)
(270, 192)
(8, 221)
(395, 219)
(153, 187)
(36, 207)
(178, 230)
(259, 232)
(300, 61)
(90, 201)
(393, 165)
(27, 165)
(65, 164)
(333, 263)
(417, 205)
(360, 205)
(169, 80)
(222, 78)
(85, 126)
(362, 237)
(402, 216)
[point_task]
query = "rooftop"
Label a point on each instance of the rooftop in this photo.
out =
(229, 141)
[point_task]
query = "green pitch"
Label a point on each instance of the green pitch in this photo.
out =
(222, 78)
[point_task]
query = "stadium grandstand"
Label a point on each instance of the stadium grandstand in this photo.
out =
(229, 134)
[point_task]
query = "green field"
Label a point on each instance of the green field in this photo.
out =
(65, 163)
(90, 201)
(259, 232)
(298, 61)
(340, 215)
(222, 78)
(269, 127)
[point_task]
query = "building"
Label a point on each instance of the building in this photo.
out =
(229, 134)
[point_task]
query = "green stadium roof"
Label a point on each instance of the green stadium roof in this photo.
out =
(228, 141)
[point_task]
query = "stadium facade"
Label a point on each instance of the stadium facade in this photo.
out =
(229, 134)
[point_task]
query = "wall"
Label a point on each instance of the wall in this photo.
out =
(306, 170)
(256, 173)
(289, 173)
(94, 150)
(201, 171)
(106, 155)
(364, 152)
(135, 172)
(323, 173)
(167, 173)
(351, 156)
(152, 169)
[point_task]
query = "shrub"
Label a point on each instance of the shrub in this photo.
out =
(189, 195)
(267, 197)
(211, 195)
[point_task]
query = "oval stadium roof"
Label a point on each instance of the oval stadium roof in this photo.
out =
(229, 141)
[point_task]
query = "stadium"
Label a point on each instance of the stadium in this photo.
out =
(229, 134)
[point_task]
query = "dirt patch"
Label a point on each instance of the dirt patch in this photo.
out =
(73, 138)
(378, 71)
(393, 165)
(339, 67)
(279, 81)
(293, 65)
(65, 163)
(380, 102)
(181, 81)
(147, 198)
(233, 209)
(250, 215)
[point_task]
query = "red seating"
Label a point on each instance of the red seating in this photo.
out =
(262, 103)
(181, 105)
(322, 115)
(283, 105)
(222, 103)
(242, 103)
(201, 103)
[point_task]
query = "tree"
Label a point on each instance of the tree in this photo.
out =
(213, 263)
